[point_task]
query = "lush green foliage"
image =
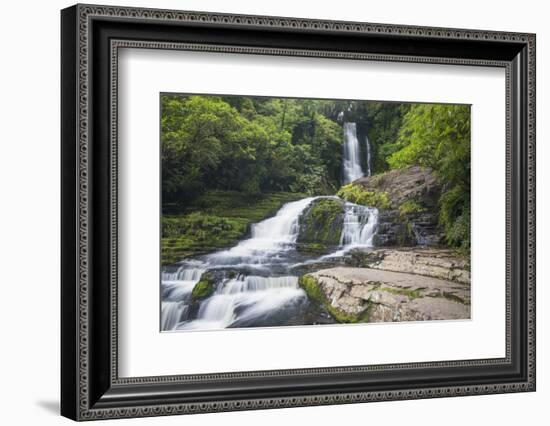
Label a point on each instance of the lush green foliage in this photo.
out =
(410, 206)
(438, 136)
(215, 220)
(252, 145)
(356, 194)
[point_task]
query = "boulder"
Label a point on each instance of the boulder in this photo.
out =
(321, 226)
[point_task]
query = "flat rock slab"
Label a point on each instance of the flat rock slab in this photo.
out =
(393, 296)
(436, 263)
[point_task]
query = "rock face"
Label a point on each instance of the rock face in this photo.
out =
(410, 183)
(413, 216)
(371, 295)
(321, 226)
(430, 262)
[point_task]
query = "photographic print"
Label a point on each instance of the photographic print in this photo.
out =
(303, 212)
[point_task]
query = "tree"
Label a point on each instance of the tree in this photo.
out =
(438, 136)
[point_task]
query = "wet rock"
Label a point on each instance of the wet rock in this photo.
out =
(320, 226)
(412, 218)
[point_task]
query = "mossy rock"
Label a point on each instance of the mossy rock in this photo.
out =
(204, 288)
(313, 289)
(411, 294)
(321, 226)
(370, 198)
(410, 207)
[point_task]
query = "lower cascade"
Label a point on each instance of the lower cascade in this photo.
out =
(359, 225)
(256, 281)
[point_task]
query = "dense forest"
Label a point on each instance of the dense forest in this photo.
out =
(227, 154)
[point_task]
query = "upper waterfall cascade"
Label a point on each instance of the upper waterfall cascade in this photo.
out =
(352, 155)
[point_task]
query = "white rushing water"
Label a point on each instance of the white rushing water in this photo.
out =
(248, 298)
(176, 292)
(359, 227)
(244, 298)
(352, 155)
(270, 238)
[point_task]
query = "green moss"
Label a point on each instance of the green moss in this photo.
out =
(203, 289)
(412, 294)
(311, 287)
(312, 248)
(321, 226)
(216, 220)
(314, 291)
(356, 194)
(410, 207)
(346, 318)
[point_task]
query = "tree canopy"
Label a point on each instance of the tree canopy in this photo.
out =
(438, 136)
(256, 145)
(247, 144)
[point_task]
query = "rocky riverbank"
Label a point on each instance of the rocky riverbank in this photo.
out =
(387, 285)
(371, 295)
(431, 262)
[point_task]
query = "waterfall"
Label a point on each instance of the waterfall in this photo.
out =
(176, 287)
(172, 313)
(359, 227)
(245, 299)
(270, 237)
(352, 157)
(248, 297)
(367, 143)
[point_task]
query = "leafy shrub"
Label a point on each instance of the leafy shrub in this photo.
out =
(410, 207)
(454, 216)
(356, 194)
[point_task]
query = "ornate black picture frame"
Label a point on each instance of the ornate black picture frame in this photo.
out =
(91, 36)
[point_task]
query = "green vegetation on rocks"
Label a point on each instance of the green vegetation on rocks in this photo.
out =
(321, 225)
(314, 291)
(411, 294)
(216, 220)
(438, 137)
(356, 194)
(410, 207)
(204, 288)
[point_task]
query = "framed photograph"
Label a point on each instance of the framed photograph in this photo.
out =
(263, 212)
